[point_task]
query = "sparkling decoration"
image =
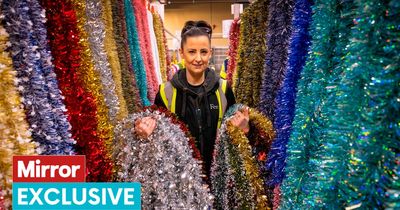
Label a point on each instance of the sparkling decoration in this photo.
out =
(163, 164)
(238, 163)
(234, 34)
(143, 31)
(138, 62)
(15, 138)
(36, 80)
(129, 86)
(64, 39)
(159, 31)
(279, 31)
(154, 48)
(96, 34)
(110, 48)
(285, 99)
(311, 169)
(251, 53)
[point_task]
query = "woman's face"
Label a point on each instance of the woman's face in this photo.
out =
(196, 52)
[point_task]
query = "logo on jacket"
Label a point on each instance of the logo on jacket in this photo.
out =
(212, 106)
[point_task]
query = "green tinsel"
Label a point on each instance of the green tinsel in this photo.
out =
(251, 53)
(307, 184)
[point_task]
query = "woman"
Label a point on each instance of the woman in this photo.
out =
(196, 94)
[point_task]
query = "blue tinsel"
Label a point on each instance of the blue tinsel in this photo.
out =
(38, 85)
(285, 99)
(136, 56)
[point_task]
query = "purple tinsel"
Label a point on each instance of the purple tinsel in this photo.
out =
(278, 35)
(37, 81)
(285, 100)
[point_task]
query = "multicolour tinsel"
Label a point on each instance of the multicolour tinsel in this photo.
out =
(251, 53)
(110, 48)
(162, 163)
(159, 31)
(64, 40)
(310, 178)
(15, 137)
(142, 28)
(131, 92)
(96, 34)
(279, 31)
(285, 100)
(138, 62)
(234, 35)
(238, 163)
(37, 82)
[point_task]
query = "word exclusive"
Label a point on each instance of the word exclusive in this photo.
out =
(49, 168)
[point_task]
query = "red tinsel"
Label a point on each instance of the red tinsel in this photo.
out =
(277, 197)
(234, 34)
(143, 30)
(64, 42)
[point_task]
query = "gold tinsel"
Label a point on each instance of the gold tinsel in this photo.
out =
(111, 50)
(91, 80)
(158, 30)
(15, 139)
(240, 140)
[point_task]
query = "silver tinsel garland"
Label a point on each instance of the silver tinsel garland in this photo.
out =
(163, 164)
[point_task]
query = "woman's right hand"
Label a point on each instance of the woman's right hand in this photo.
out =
(144, 126)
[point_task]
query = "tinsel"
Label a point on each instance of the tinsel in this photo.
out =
(168, 57)
(361, 138)
(130, 90)
(162, 163)
(251, 53)
(96, 34)
(36, 80)
(237, 170)
(15, 137)
(159, 31)
(285, 99)
(138, 62)
(64, 40)
(142, 27)
(154, 48)
(234, 34)
(307, 185)
(110, 48)
(279, 31)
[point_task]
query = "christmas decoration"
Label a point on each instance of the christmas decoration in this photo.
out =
(159, 31)
(251, 53)
(234, 34)
(162, 163)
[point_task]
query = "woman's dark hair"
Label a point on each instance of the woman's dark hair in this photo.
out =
(195, 28)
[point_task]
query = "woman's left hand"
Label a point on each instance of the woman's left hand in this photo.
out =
(241, 120)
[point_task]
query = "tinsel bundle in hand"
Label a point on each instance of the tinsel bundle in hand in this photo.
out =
(163, 163)
(237, 173)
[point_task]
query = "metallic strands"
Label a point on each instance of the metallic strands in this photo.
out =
(163, 164)
(96, 35)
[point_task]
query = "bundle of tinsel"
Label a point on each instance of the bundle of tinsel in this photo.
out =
(285, 99)
(143, 31)
(131, 89)
(80, 86)
(312, 169)
(279, 31)
(164, 164)
(95, 27)
(15, 138)
(234, 34)
(237, 172)
(251, 53)
(357, 165)
(161, 45)
(136, 55)
(110, 47)
(37, 81)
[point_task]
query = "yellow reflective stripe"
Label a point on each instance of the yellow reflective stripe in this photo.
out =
(224, 82)
(162, 93)
(223, 73)
(219, 107)
(173, 100)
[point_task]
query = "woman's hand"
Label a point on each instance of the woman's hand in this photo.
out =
(145, 126)
(241, 120)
